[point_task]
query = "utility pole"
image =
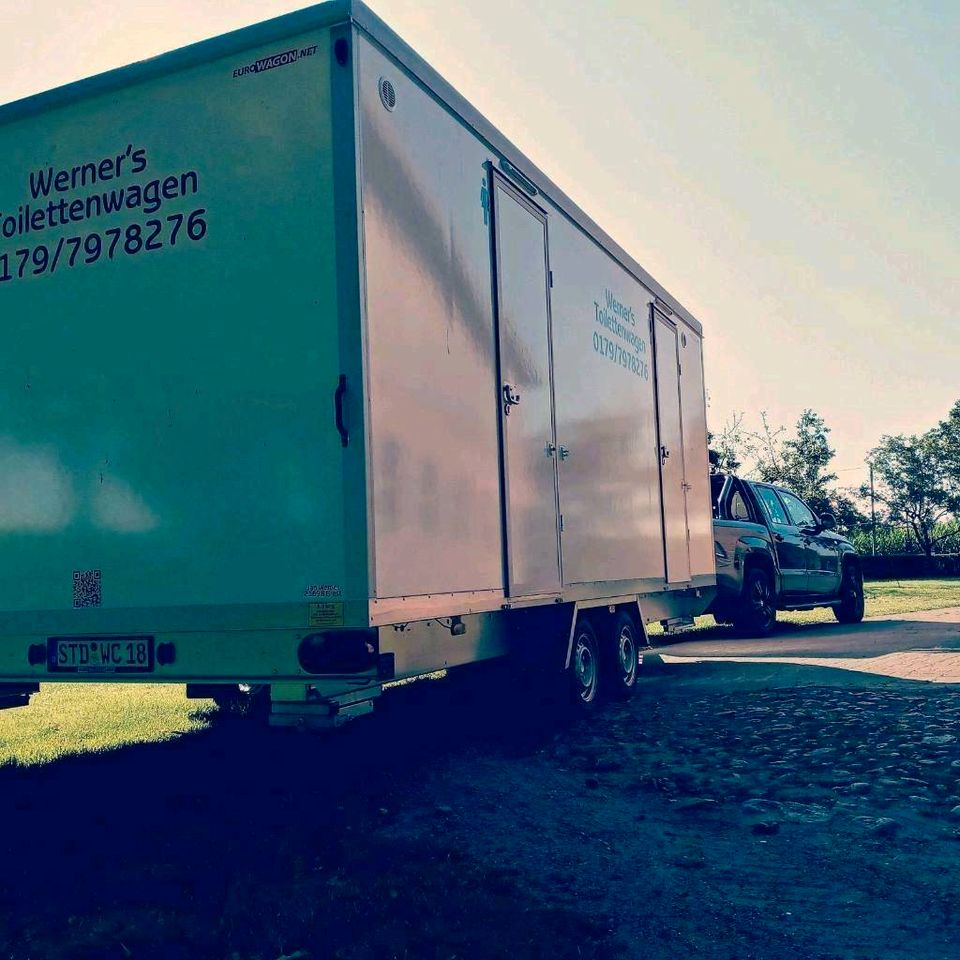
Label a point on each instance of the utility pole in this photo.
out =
(873, 513)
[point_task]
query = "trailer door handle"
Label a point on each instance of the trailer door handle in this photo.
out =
(338, 409)
(510, 399)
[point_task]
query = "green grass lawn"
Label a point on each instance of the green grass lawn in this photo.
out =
(88, 718)
(885, 598)
(72, 718)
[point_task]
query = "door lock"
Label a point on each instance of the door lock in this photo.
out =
(510, 399)
(664, 456)
(549, 448)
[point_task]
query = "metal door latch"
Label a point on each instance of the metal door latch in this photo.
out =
(510, 399)
(549, 448)
(564, 453)
(664, 456)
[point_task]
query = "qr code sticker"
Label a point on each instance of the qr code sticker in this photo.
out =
(86, 588)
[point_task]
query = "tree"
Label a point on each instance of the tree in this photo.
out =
(948, 434)
(800, 462)
(848, 515)
(915, 485)
(727, 445)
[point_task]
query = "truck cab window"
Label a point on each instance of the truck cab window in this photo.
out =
(800, 514)
(772, 506)
(738, 507)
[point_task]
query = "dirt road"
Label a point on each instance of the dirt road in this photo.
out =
(731, 810)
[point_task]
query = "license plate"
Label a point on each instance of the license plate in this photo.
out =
(100, 654)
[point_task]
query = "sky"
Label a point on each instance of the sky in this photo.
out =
(788, 171)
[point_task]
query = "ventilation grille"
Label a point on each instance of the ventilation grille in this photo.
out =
(388, 94)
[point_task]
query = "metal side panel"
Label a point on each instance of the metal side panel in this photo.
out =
(431, 360)
(171, 342)
(424, 647)
(606, 418)
(695, 459)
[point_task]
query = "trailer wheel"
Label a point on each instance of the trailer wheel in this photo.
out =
(622, 654)
(585, 665)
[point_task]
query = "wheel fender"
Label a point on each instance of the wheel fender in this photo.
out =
(640, 623)
(848, 561)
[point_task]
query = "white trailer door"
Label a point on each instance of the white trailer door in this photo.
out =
(672, 477)
(528, 458)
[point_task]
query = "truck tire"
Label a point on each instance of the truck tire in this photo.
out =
(586, 675)
(756, 615)
(850, 607)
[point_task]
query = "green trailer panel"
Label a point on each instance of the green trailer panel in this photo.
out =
(169, 305)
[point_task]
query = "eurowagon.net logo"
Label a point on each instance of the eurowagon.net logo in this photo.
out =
(275, 60)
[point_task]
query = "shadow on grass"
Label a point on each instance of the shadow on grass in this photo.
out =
(261, 842)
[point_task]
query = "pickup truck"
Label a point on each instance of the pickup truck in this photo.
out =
(774, 553)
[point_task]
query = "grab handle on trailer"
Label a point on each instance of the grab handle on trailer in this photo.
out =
(338, 409)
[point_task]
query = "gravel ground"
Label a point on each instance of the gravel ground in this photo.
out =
(714, 815)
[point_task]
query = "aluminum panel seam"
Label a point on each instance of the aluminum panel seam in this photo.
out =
(362, 313)
(346, 154)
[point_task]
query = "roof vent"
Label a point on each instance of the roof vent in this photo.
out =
(388, 93)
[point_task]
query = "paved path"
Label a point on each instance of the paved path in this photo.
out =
(917, 646)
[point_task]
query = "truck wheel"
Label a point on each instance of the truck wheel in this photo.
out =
(621, 659)
(757, 614)
(850, 607)
(585, 673)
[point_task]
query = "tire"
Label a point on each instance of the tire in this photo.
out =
(850, 607)
(621, 655)
(586, 675)
(757, 612)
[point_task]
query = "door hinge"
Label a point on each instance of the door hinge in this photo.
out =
(561, 523)
(551, 279)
